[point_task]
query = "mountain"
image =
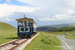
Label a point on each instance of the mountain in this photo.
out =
(54, 27)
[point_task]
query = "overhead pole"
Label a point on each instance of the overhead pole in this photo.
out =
(24, 15)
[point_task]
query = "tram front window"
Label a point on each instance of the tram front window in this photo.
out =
(30, 23)
(20, 23)
(25, 23)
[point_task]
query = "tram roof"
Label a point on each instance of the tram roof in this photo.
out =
(25, 19)
(22, 19)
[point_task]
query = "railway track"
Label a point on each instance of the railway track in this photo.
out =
(14, 44)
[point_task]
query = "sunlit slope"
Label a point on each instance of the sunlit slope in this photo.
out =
(7, 32)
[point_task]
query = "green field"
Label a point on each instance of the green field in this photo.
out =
(70, 36)
(63, 33)
(70, 31)
(45, 41)
(7, 32)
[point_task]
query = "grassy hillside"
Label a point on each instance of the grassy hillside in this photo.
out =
(64, 29)
(53, 27)
(64, 25)
(7, 32)
(46, 28)
(45, 41)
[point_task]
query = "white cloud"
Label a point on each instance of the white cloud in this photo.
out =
(40, 3)
(55, 11)
(55, 6)
(7, 19)
(8, 0)
(33, 2)
(46, 19)
(70, 11)
(62, 17)
(69, 16)
(50, 10)
(6, 10)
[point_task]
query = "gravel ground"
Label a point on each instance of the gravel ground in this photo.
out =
(22, 46)
(9, 46)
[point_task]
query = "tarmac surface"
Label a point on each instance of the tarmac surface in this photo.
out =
(67, 44)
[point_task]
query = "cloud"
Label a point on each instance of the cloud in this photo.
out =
(6, 10)
(69, 16)
(44, 10)
(45, 19)
(70, 11)
(7, 19)
(49, 2)
(53, 10)
(48, 8)
(35, 2)
(62, 17)
(8, 0)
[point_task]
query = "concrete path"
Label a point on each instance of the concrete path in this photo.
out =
(67, 44)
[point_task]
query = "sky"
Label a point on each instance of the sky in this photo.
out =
(44, 12)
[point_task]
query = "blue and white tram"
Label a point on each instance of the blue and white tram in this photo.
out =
(26, 27)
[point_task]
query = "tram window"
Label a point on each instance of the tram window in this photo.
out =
(25, 23)
(20, 23)
(30, 24)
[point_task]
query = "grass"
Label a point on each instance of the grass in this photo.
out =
(48, 41)
(64, 29)
(70, 36)
(62, 33)
(7, 33)
(44, 41)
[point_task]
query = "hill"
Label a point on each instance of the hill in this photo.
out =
(64, 29)
(46, 28)
(63, 25)
(7, 32)
(54, 27)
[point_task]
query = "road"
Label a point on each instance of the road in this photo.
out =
(67, 44)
